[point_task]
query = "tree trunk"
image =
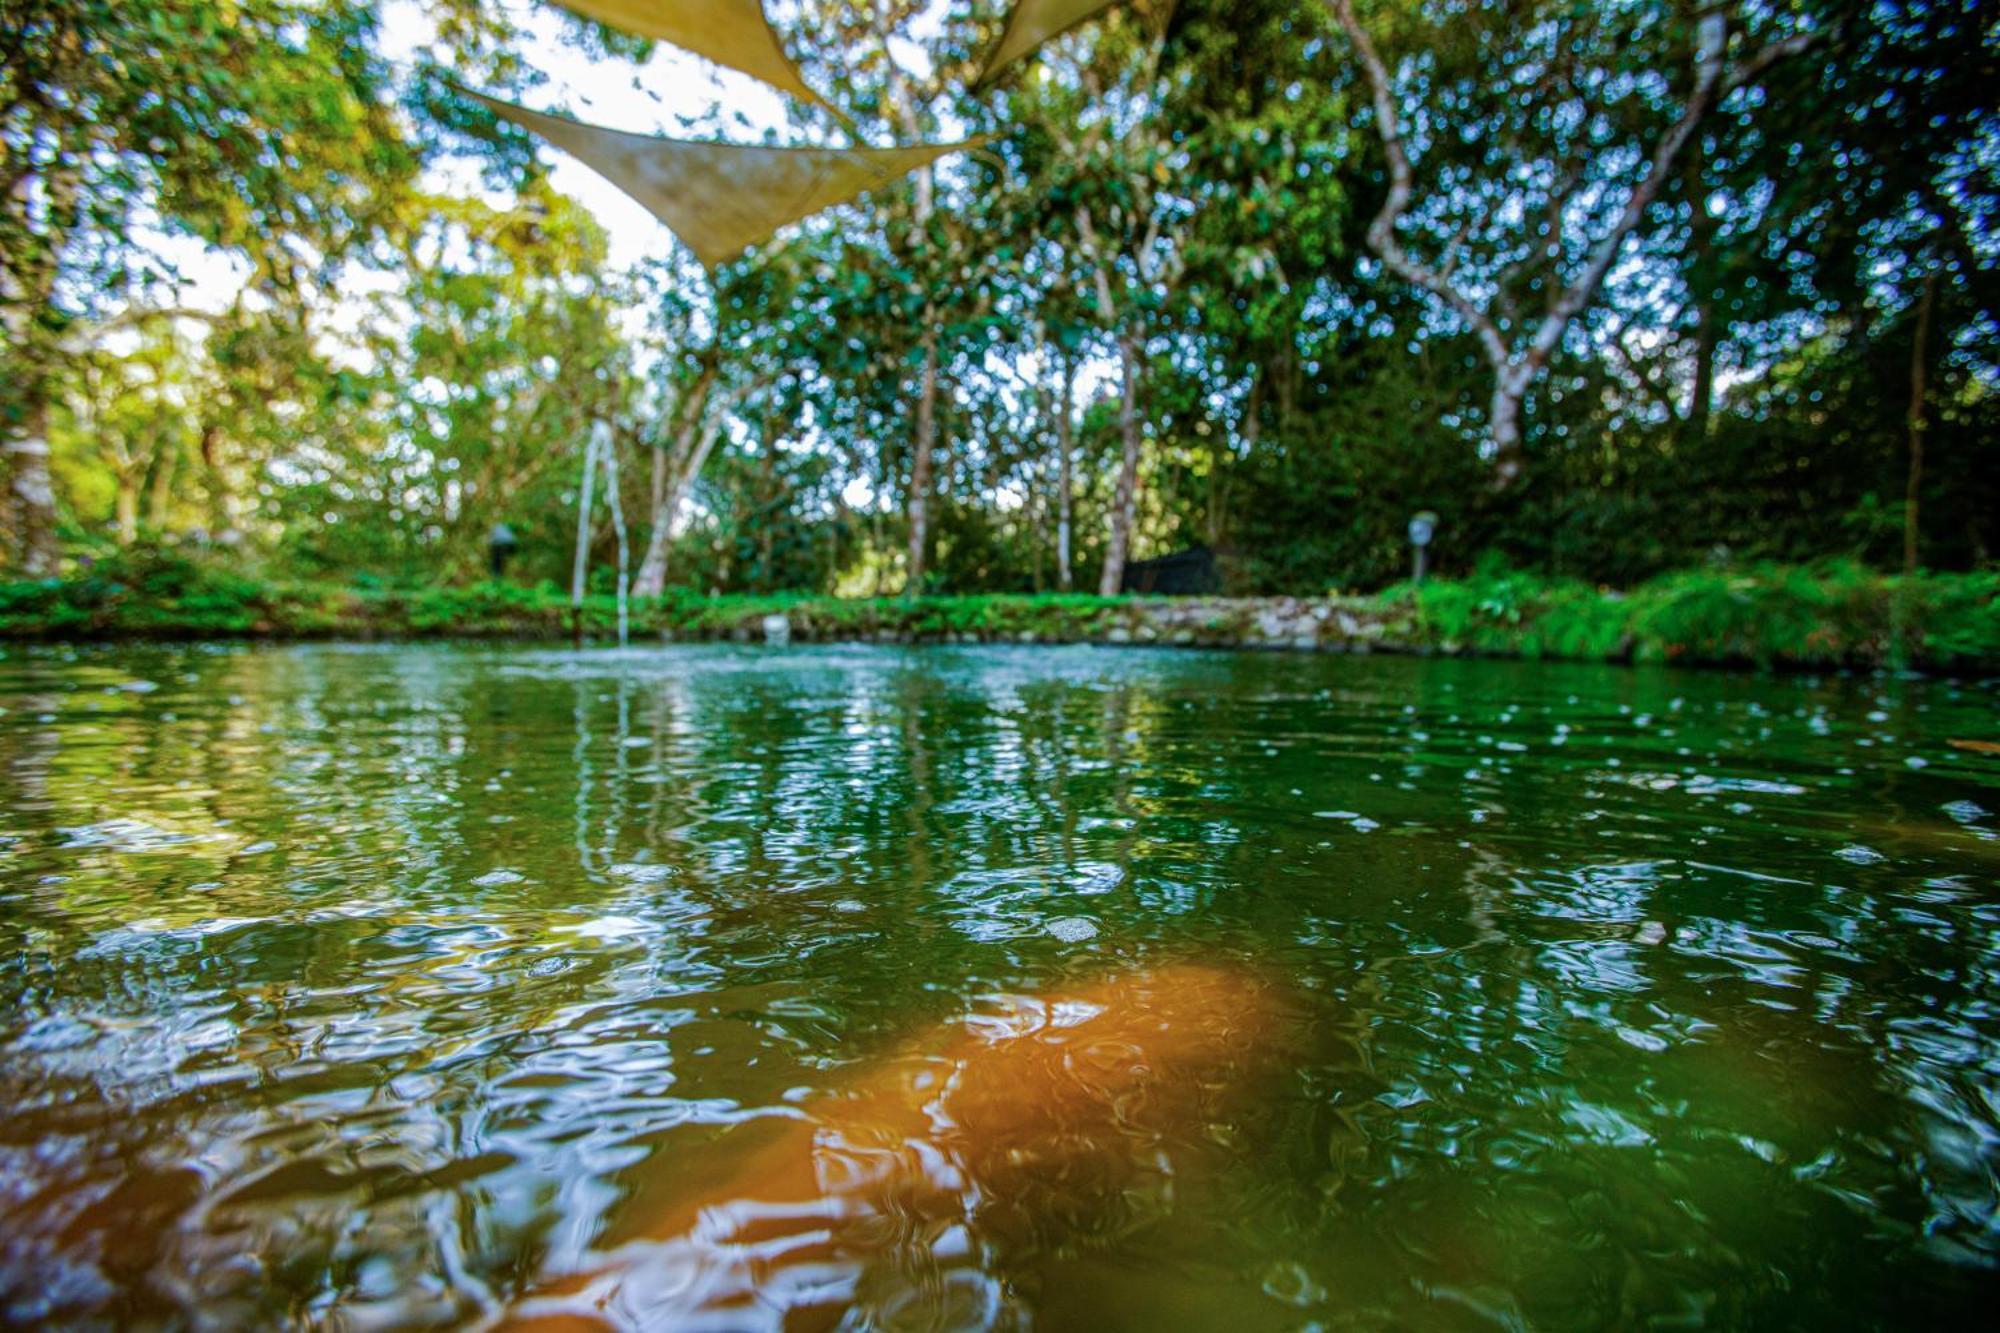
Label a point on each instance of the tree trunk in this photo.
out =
(1124, 500)
(36, 212)
(1702, 228)
(690, 453)
(769, 496)
(1703, 396)
(586, 493)
(1918, 423)
(922, 463)
(126, 510)
(651, 580)
(31, 491)
(1065, 481)
(220, 504)
(1504, 424)
(924, 443)
(675, 469)
(1034, 520)
(160, 486)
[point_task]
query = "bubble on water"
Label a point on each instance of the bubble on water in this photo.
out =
(641, 872)
(1916, 761)
(1072, 929)
(850, 905)
(494, 879)
(1336, 814)
(1856, 854)
(138, 686)
(1965, 812)
(258, 849)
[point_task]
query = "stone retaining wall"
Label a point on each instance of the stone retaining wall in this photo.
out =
(1308, 624)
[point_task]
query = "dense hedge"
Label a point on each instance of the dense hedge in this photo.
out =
(1768, 615)
(1829, 615)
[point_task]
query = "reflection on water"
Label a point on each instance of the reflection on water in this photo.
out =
(399, 987)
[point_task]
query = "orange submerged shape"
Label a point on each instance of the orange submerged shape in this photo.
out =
(1046, 1121)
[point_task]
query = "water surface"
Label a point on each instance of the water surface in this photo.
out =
(369, 987)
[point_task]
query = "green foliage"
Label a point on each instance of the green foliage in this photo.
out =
(1834, 615)
(402, 370)
(1519, 614)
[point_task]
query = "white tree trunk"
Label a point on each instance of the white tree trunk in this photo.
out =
(1125, 500)
(1065, 481)
(922, 463)
(581, 565)
(691, 451)
(32, 493)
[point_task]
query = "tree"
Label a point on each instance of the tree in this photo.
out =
(265, 129)
(1099, 162)
(1574, 99)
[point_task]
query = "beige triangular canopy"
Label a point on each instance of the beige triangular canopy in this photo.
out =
(1032, 22)
(734, 33)
(723, 198)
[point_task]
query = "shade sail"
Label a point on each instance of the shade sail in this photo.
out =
(1032, 22)
(733, 33)
(723, 198)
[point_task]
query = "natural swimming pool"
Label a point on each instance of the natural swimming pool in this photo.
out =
(375, 986)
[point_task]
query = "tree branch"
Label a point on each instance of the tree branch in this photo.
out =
(1107, 310)
(1402, 184)
(1714, 42)
(1753, 69)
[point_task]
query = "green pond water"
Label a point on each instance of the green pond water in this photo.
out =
(365, 987)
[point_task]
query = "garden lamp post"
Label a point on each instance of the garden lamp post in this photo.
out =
(1422, 527)
(500, 545)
